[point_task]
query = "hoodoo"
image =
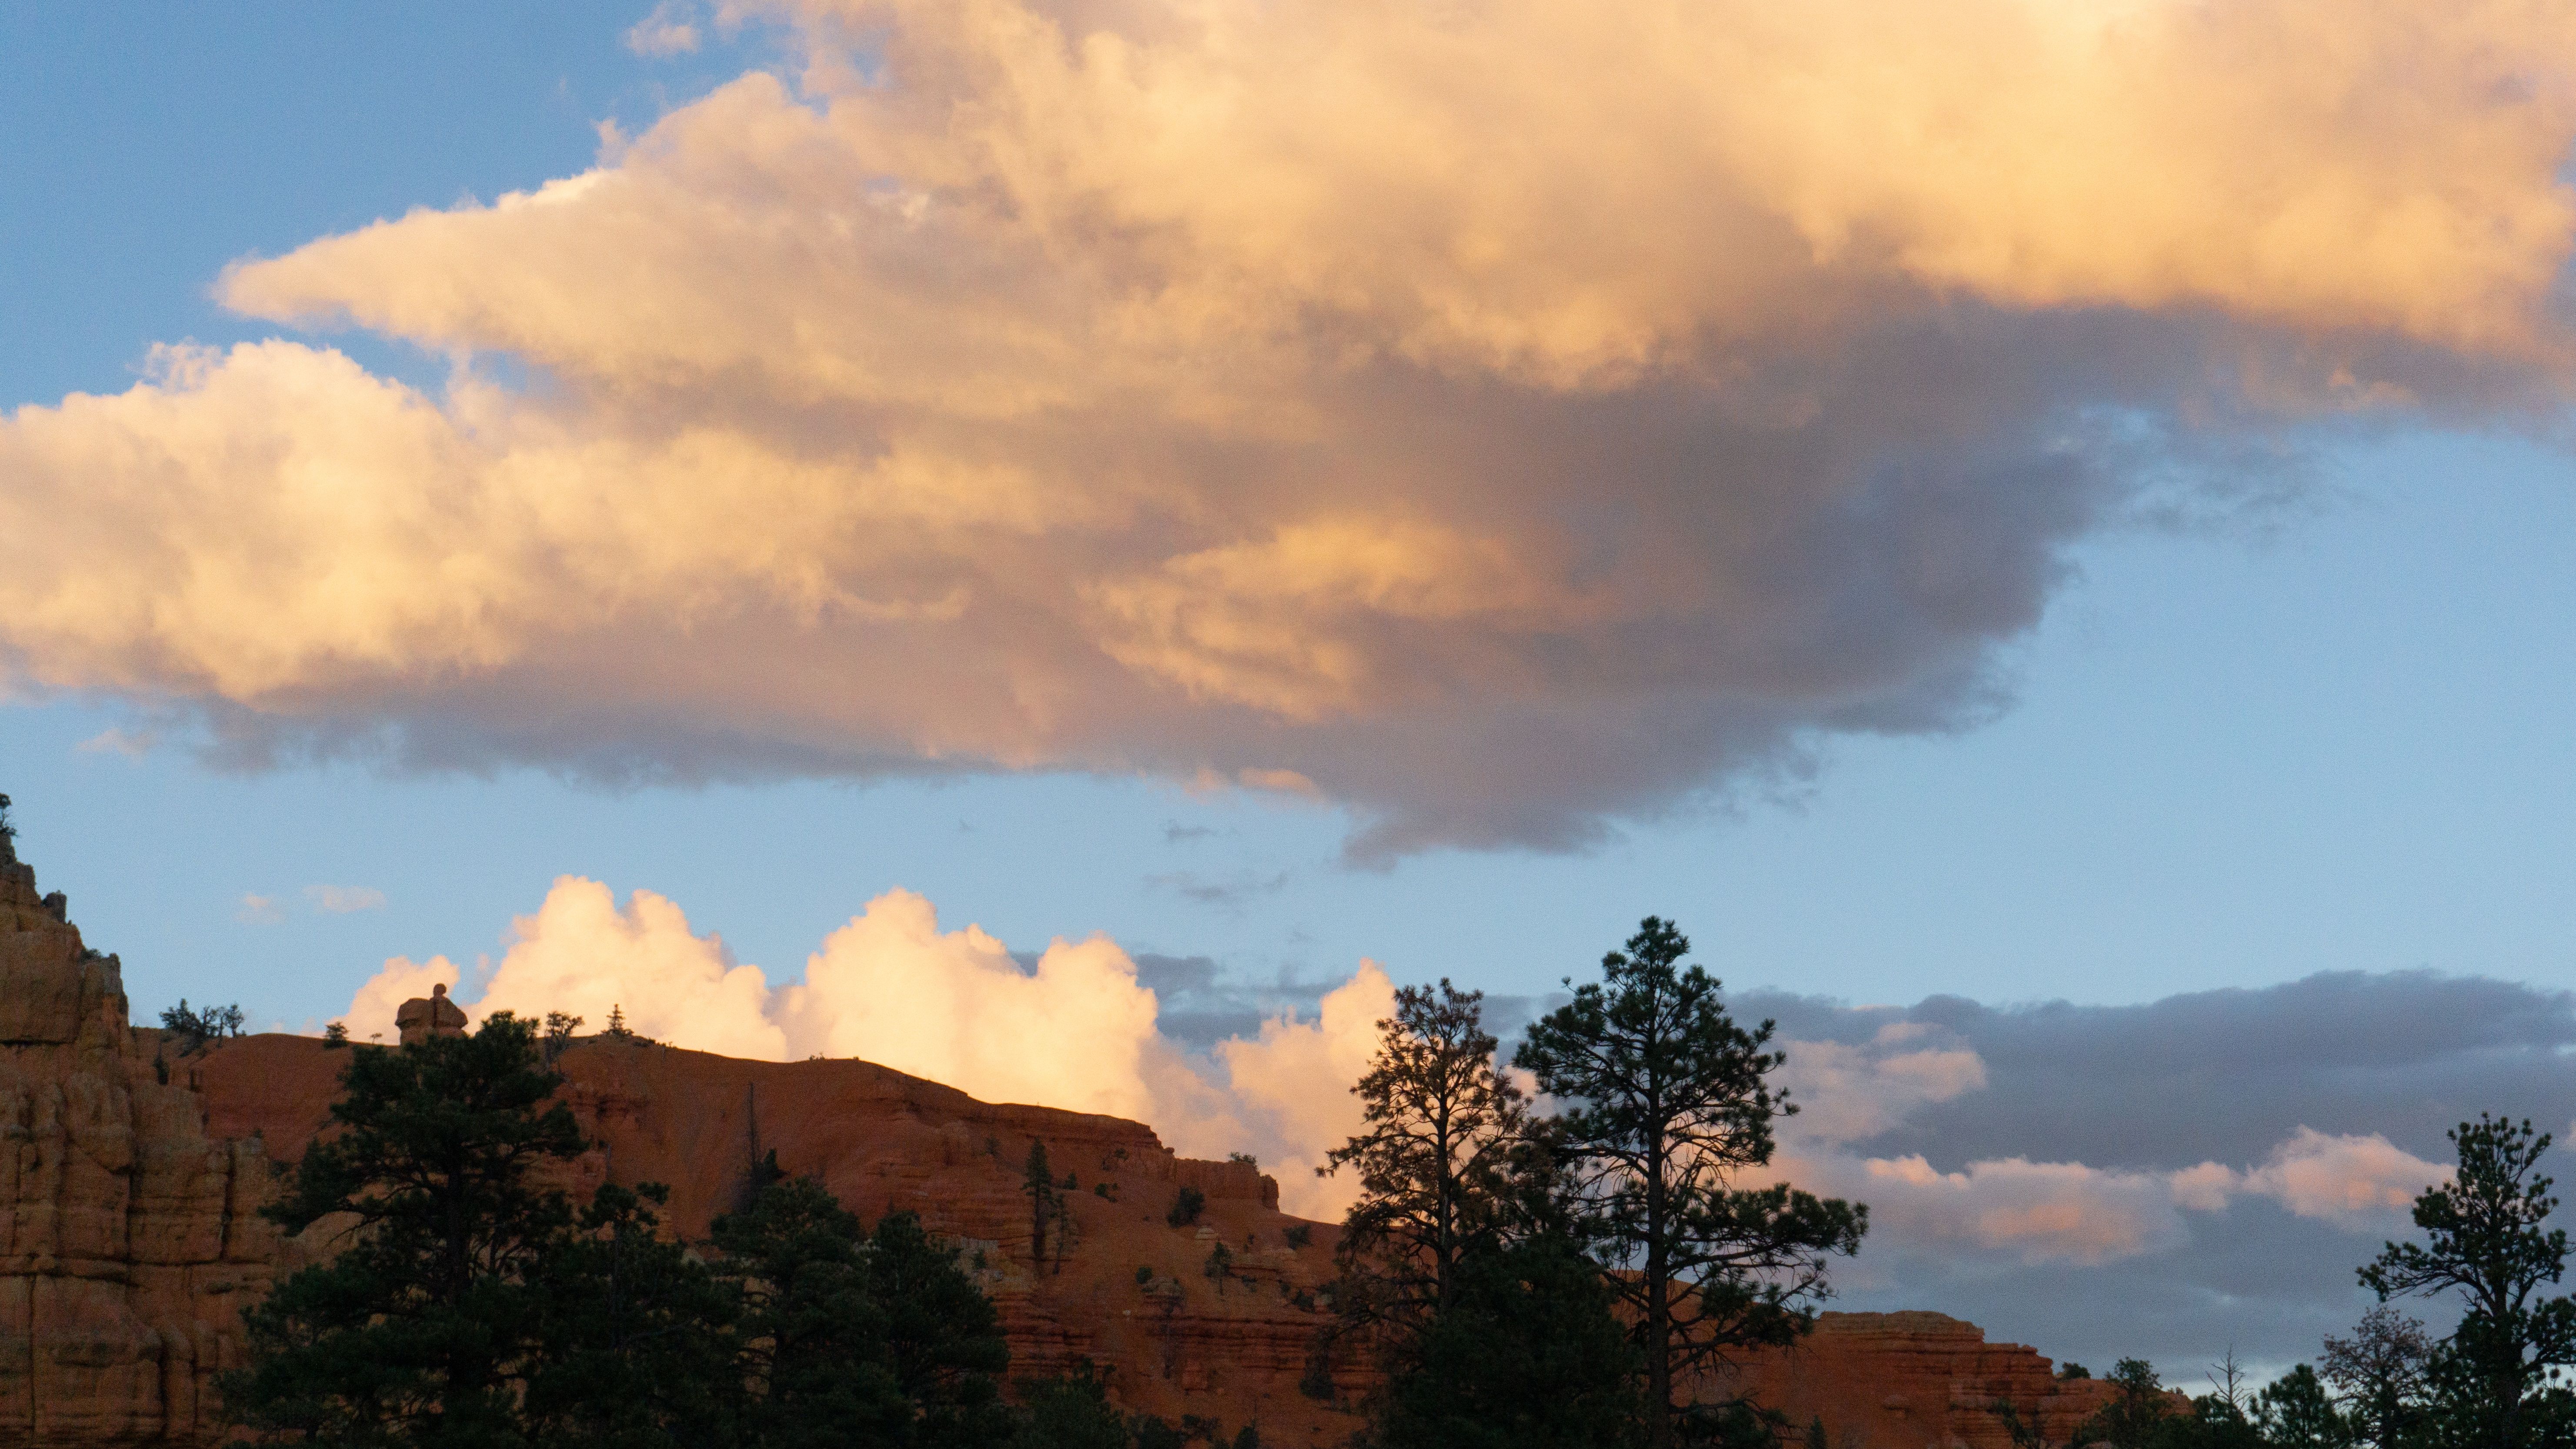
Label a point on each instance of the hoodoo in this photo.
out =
(132, 1170)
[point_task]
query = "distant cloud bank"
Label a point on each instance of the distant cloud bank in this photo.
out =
(1499, 420)
(2215, 1163)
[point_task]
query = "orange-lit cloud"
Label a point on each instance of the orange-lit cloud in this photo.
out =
(1075, 1031)
(1495, 417)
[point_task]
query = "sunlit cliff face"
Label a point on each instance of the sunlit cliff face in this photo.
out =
(1498, 417)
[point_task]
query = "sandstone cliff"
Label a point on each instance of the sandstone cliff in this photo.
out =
(130, 1176)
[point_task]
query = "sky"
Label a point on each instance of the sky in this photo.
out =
(1175, 518)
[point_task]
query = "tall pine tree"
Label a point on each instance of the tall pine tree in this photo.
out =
(1669, 1100)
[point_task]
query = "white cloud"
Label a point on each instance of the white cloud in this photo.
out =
(666, 32)
(133, 745)
(334, 900)
(1077, 1030)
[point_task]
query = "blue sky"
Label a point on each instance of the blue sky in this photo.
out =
(2320, 723)
(2330, 733)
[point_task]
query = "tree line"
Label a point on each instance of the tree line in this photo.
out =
(1570, 1278)
(2496, 1381)
(469, 1305)
(1564, 1250)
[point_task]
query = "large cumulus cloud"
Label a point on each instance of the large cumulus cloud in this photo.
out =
(1498, 417)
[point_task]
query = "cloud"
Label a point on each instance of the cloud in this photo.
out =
(133, 745)
(2215, 1163)
(259, 910)
(1074, 1027)
(666, 32)
(1215, 394)
(343, 900)
(371, 1011)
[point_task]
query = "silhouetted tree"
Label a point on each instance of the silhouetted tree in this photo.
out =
(851, 1338)
(1436, 1162)
(8, 835)
(559, 1029)
(428, 1324)
(2381, 1374)
(1070, 1411)
(633, 1332)
(1668, 1099)
(1046, 1202)
(2484, 1242)
(2136, 1412)
(2295, 1411)
(197, 1029)
(1525, 1351)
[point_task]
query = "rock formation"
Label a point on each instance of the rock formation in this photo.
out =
(130, 1176)
(423, 1017)
(127, 1232)
(1903, 1380)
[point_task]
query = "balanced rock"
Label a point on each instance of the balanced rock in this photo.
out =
(424, 1017)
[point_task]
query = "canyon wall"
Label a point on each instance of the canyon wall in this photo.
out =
(131, 1174)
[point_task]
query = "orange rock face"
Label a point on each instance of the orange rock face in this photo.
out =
(1914, 1381)
(130, 1178)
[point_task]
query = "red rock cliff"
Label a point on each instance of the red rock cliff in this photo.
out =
(130, 1176)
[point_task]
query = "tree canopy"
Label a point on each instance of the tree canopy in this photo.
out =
(1668, 1100)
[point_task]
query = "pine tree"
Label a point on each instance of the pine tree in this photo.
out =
(429, 1323)
(850, 1338)
(634, 1331)
(1440, 1162)
(1525, 1352)
(1669, 1101)
(1037, 1180)
(2484, 1241)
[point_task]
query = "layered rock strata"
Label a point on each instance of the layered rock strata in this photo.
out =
(1915, 1381)
(127, 1231)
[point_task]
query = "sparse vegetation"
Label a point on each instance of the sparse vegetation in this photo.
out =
(1299, 1234)
(335, 1037)
(8, 833)
(196, 1030)
(558, 1035)
(1186, 1208)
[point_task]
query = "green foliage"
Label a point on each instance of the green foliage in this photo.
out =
(2072, 1370)
(1528, 1351)
(856, 1338)
(1047, 1209)
(2133, 1417)
(2485, 1244)
(559, 1029)
(431, 1321)
(2295, 1411)
(1669, 1098)
(8, 834)
(1070, 1411)
(1186, 1207)
(635, 1347)
(335, 1037)
(198, 1029)
(1298, 1235)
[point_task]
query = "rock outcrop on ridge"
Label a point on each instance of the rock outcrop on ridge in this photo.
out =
(131, 1175)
